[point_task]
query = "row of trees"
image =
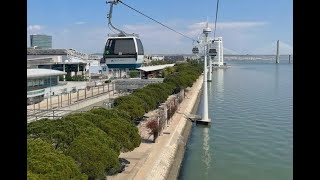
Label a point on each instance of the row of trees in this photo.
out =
(87, 145)
(134, 73)
(159, 62)
(151, 96)
(76, 78)
(73, 78)
(81, 145)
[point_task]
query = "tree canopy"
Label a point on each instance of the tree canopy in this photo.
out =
(43, 162)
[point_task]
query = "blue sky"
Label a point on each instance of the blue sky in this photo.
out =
(247, 26)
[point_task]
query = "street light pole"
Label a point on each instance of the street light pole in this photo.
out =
(158, 124)
(50, 86)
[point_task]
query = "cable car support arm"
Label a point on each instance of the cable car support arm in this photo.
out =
(109, 16)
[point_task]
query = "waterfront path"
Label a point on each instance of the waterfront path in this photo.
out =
(151, 161)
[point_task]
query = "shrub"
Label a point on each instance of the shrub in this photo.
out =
(154, 127)
(134, 74)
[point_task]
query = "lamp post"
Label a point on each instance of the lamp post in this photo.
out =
(158, 115)
(50, 86)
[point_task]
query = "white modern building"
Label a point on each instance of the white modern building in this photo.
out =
(218, 59)
(157, 58)
(72, 62)
(67, 60)
(43, 83)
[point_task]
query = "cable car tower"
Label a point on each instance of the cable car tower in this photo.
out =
(122, 50)
(203, 42)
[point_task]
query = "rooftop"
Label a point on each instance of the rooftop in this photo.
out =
(155, 68)
(71, 52)
(32, 73)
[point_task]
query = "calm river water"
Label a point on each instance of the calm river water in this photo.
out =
(251, 136)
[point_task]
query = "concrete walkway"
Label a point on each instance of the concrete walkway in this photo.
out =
(153, 160)
(64, 100)
(83, 105)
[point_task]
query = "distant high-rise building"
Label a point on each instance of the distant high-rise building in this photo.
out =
(41, 41)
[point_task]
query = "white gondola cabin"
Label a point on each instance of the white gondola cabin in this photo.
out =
(123, 52)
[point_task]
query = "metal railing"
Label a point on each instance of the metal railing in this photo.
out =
(69, 98)
(59, 113)
(50, 114)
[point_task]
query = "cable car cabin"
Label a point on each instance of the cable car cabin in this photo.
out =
(212, 52)
(195, 50)
(123, 52)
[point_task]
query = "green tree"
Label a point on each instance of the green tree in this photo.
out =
(111, 113)
(43, 162)
(95, 158)
(119, 130)
(149, 101)
(127, 99)
(90, 129)
(132, 104)
(167, 71)
(32, 176)
(80, 139)
(59, 133)
(134, 74)
(135, 110)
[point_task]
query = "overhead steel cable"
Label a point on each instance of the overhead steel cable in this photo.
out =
(156, 21)
(215, 23)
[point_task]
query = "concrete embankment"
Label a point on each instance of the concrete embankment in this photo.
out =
(179, 154)
(169, 158)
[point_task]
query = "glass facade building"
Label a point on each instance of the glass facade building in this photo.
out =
(41, 41)
(41, 83)
(36, 88)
